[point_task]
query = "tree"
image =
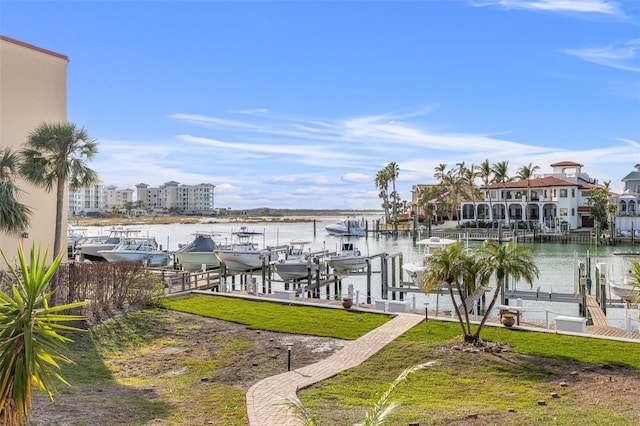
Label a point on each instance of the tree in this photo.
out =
(469, 189)
(598, 199)
(393, 171)
(485, 174)
(449, 265)
(503, 261)
(451, 184)
(30, 339)
(500, 172)
(526, 173)
(14, 216)
(55, 155)
(382, 183)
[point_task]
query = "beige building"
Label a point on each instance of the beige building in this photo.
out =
(190, 199)
(33, 89)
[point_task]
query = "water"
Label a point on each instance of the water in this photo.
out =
(555, 261)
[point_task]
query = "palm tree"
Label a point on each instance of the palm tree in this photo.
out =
(504, 261)
(55, 155)
(449, 265)
(30, 339)
(526, 173)
(468, 177)
(500, 172)
(382, 183)
(393, 171)
(485, 174)
(14, 216)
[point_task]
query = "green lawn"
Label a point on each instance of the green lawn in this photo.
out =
(497, 388)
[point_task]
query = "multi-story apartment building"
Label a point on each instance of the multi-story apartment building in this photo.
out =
(33, 83)
(190, 199)
(547, 200)
(98, 198)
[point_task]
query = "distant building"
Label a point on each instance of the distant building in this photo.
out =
(547, 200)
(188, 199)
(33, 83)
(628, 211)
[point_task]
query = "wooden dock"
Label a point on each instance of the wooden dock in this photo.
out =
(597, 314)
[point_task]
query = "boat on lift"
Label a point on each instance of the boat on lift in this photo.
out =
(90, 248)
(137, 250)
(349, 259)
(416, 270)
(198, 254)
(243, 254)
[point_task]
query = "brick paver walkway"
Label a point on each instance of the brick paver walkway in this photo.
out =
(266, 399)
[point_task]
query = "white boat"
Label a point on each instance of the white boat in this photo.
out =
(350, 259)
(74, 236)
(243, 254)
(297, 264)
(346, 227)
(199, 254)
(137, 250)
(621, 277)
(89, 248)
(416, 270)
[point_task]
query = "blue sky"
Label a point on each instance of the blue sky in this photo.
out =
(298, 104)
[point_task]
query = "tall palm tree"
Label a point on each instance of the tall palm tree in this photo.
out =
(503, 261)
(382, 183)
(393, 171)
(486, 175)
(30, 337)
(56, 154)
(449, 265)
(14, 216)
(500, 172)
(526, 173)
(468, 178)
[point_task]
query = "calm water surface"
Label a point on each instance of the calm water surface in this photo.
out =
(556, 262)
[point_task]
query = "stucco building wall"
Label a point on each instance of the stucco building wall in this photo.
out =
(33, 89)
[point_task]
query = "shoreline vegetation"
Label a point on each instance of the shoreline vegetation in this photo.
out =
(254, 216)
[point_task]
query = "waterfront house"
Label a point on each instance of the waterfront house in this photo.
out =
(33, 83)
(548, 200)
(628, 203)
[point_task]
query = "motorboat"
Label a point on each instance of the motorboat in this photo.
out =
(348, 227)
(199, 254)
(621, 276)
(297, 263)
(349, 259)
(243, 254)
(89, 248)
(416, 270)
(137, 250)
(74, 236)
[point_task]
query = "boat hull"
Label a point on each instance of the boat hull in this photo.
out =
(292, 270)
(152, 258)
(240, 261)
(348, 263)
(624, 292)
(194, 261)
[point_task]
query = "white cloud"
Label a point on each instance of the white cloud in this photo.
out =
(578, 6)
(624, 56)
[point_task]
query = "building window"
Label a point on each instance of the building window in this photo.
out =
(564, 211)
(573, 211)
(563, 193)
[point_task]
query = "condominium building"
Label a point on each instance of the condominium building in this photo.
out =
(98, 198)
(33, 83)
(190, 199)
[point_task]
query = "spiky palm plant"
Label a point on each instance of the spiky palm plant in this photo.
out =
(378, 414)
(30, 340)
(14, 216)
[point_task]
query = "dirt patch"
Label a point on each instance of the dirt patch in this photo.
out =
(214, 353)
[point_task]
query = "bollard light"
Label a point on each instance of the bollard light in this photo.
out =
(426, 312)
(289, 346)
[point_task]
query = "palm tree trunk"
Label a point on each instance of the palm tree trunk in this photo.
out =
(59, 206)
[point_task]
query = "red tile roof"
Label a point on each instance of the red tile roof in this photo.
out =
(544, 182)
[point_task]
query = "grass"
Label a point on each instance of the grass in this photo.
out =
(498, 388)
(336, 323)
